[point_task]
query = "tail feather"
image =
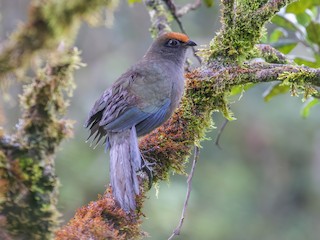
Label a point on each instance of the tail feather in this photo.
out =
(125, 160)
(135, 156)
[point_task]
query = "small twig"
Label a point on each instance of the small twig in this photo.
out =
(175, 13)
(188, 7)
(189, 181)
(220, 133)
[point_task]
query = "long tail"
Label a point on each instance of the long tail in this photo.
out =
(125, 160)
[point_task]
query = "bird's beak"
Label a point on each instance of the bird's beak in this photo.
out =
(191, 43)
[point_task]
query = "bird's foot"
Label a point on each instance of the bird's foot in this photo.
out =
(147, 167)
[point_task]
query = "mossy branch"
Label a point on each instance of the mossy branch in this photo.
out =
(227, 12)
(205, 92)
(102, 219)
(271, 7)
(29, 187)
(49, 23)
(242, 28)
(29, 198)
(160, 17)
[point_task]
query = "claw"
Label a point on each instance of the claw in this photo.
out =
(147, 168)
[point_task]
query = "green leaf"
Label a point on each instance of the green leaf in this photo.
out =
(282, 21)
(285, 45)
(311, 102)
(298, 6)
(306, 62)
(275, 90)
(277, 34)
(240, 89)
(304, 18)
(208, 3)
(313, 31)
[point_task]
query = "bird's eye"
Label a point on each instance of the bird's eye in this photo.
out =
(173, 43)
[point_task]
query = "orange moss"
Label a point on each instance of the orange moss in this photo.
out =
(102, 219)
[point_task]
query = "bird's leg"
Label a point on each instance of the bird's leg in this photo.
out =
(147, 166)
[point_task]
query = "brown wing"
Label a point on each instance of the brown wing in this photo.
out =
(108, 107)
(115, 110)
(119, 109)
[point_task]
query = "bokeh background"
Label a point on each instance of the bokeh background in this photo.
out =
(263, 184)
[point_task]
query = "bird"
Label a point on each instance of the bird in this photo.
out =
(139, 101)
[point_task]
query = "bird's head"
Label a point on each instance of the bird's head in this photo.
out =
(171, 45)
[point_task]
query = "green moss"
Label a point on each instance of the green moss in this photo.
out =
(242, 28)
(300, 80)
(30, 205)
(25, 206)
(32, 174)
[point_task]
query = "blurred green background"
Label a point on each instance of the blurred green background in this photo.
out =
(263, 184)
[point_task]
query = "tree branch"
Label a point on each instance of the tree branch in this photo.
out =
(159, 17)
(188, 7)
(265, 12)
(189, 182)
(26, 159)
(242, 27)
(227, 13)
(102, 219)
(221, 129)
(29, 186)
(205, 92)
(49, 22)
